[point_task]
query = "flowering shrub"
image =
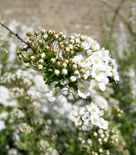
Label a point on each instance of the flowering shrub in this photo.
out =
(62, 100)
(68, 62)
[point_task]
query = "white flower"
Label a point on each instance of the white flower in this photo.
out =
(89, 141)
(83, 89)
(78, 122)
(2, 125)
(84, 128)
(89, 52)
(97, 73)
(101, 102)
(95, 45)
(103, 124)
(93, 109)
(82, 111)
(95, 119)
(85, 117)
(4, 115)
(82, 61)
(102, 86)
(43, 55)
(53, 94)
(86, 45)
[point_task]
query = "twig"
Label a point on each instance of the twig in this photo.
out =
(15, 34)
(127, 24)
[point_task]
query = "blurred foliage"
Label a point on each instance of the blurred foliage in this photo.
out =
(119, 36)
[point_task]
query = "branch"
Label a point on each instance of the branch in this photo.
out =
(121, 16)
(15, 34)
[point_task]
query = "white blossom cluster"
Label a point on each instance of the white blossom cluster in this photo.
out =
(69, 62)
(96, 64)
(20, 78)
(48, 150)
(89, 116)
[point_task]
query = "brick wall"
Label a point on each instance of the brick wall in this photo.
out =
(80, 16)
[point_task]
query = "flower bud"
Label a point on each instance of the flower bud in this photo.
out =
(61, 33)
(82, 70)
(64, 71)
(77, 40)
(29, 42)
(57, 72)
(119, 115)
(53, 60)
(43, 31)
(63, 36)
(43, 55)
(40, 67)
(76, 72)
(74, 67)
(20, 56)
(32, 38)
(18, 52)
(32, 57)
(58, 63)
(21, 48)
(50, 32)
(72, 41)
(36, 33)
(40, 41)
(60, 58)
(29, 34)
(66, 61)
(67, 49)
(95, 134)
(41, 61)
(56, 36)
(27, 64)
(54, 50)
(45, 37)
(73, 78)
(64, 65)
(100, 150)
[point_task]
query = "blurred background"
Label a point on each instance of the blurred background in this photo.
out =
(111, 22)
(80, 16)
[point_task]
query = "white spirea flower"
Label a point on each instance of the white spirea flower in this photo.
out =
(83, 89)
(81, 61)
(103, 124)
(89, 116)
(93, 109)
(4, 115)
(2, 125)
(78, 58)
(95, 119)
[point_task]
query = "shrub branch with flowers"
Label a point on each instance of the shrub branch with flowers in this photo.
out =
(72, 115)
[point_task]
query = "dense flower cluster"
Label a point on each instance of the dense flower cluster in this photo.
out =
(69, 62)
(90, 116)
(69, 115)
(24, 117)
